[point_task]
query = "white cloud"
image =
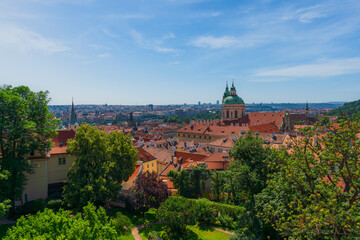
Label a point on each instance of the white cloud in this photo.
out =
(206, 14)
(244, 41)
(325, 69)
(168, 36)
(104, 55)
(214, 42)
(149, 44)
(25, 40)
(134, 16)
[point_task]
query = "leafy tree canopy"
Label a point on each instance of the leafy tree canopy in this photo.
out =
(190, 183)
(315, 193)
(26, 125)
(92, 224)
(103, 161)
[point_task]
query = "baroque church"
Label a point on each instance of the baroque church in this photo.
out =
(233, 107)
(233, 113)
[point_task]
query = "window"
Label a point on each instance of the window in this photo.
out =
(227, 114)
(236, 114)
(148, 165)
(152, 164)
(62, 161)
(26, 197)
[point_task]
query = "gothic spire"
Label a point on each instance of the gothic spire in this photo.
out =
(73, 114)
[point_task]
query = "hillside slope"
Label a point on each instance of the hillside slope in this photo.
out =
(349, 108)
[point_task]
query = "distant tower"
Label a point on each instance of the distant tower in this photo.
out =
(233, 107)
(73, 121)
(307, 108)
(73, 114)
(131, 121)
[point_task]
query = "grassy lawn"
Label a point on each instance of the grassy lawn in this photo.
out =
(4, 228)
(208, 233)
(128, 236)
(193, 233)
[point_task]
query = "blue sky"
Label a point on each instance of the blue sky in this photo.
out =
(182, 51)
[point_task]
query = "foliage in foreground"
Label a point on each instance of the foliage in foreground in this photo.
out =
(315, 193)
(91, 224)
(26, 125)
(102, 162)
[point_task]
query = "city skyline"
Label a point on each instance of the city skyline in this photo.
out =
(173, 52)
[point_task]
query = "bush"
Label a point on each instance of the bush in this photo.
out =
(55, 196)
(226, 221)
(177, 213)
(32, 207)
(54, 204)
(175, 210)
(91, 224)
(122, 223)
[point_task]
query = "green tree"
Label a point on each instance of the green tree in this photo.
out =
(190, 183)
(91, 224)
(315, 193)
(103, 161)
(4, 206)
(26, 125)
(217, 183)
(247, 174)
(246, 177)
(177, 213)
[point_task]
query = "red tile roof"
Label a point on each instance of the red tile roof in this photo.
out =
(211, 129)
(257, 118)
(144, 156)
(60, 141)
(265, 128)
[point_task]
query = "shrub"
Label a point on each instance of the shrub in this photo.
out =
(54, 204)
(122, 223)
(32, 207)
(91, 224)
(177, 213)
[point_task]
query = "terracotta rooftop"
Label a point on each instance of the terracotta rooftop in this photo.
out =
(211, 129)
(161, 154)
(144, 155)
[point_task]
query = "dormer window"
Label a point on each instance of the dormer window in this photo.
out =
(61, 144)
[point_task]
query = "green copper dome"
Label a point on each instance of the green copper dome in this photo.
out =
(233, 100)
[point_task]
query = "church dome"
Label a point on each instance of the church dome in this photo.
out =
(233, 100)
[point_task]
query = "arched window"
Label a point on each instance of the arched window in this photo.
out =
(231, 114)
(227, 114)
(236, 114)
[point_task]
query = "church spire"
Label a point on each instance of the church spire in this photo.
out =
(226, 93)
(73, 114)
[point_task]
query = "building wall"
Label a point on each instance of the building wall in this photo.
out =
(150, 165)
(232, 108)
(36, 186)
(218, 149)
(58, 173)
(160, 166)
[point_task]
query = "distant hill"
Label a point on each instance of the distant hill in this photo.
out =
(349, 108)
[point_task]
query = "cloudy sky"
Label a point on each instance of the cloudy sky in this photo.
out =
(182, 51)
